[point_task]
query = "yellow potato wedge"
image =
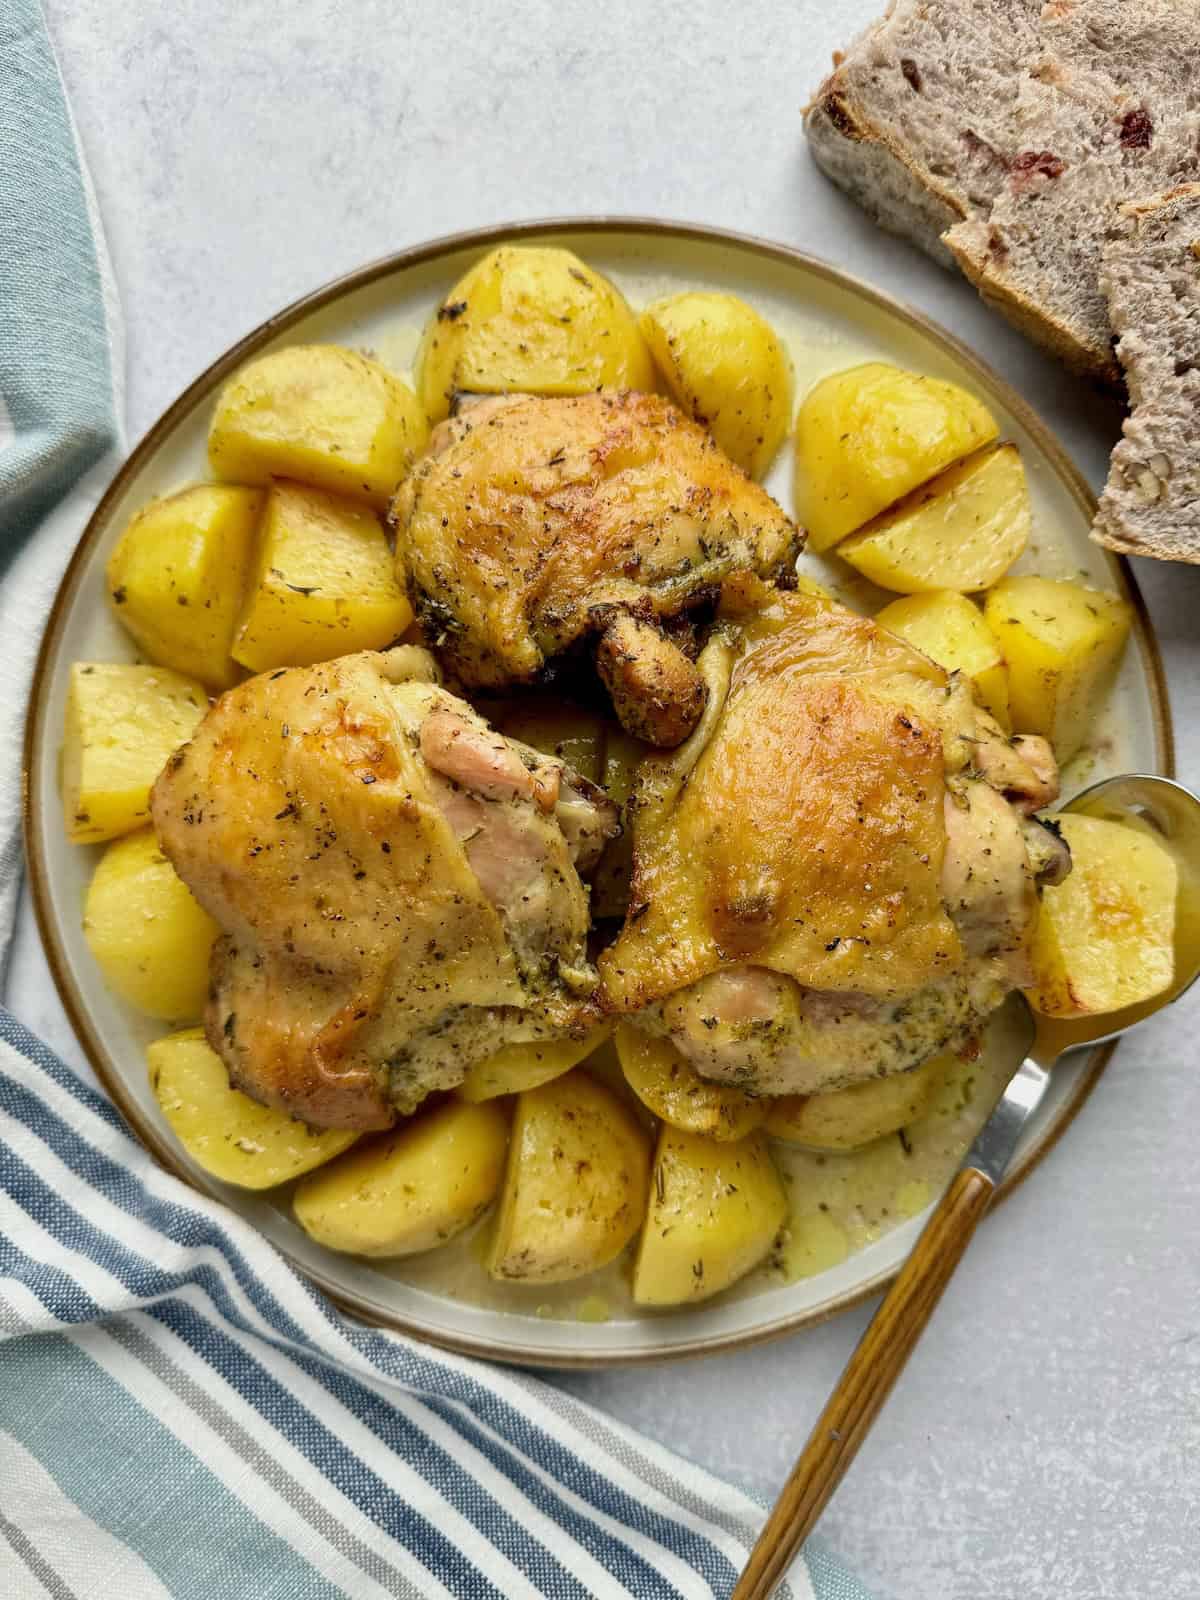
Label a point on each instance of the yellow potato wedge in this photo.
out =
(411, 1189)
(1063, 644)
(963, 530)
(177, 575)
(950, 629)
(149, 937)
(121, 724)
(576, 1183)
(715, 1209)
(671, 1087)
(322, 415)
(869, 435)
(845, 1119)
(525, 1066)
(324, 583)
(726, 368)
(1105, 937)
(534, 319)
(224, 1131)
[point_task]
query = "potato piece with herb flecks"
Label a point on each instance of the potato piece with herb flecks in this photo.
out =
(526, 1065)
(869, 435)
(961, 530)
(575, 1187)
(950, 629)
(846, 1119)
(667, 1084)
(324, 583)
(411, 1189)
(320, 414)
(530, 319)
(1063, 644)
(726, 367)
(177, 576)
(122, 722)
(715, 1210)
(231, 1136)
(150, 938)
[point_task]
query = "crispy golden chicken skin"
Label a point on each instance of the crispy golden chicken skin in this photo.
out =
(397, 884)
(835, 876)
(532, 522)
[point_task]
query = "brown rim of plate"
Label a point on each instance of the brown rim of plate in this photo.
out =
(988, 381)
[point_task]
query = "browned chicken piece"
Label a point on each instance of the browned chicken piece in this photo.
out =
(397, 885)
(834, 878)
(533, 522)
(656, 692)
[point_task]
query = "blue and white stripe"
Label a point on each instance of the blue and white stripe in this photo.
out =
(211, 1424)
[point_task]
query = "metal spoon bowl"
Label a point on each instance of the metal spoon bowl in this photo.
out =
(1140, 800)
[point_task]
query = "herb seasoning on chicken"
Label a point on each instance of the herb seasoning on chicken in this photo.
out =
(398, 885)
(835, 877)
(533, 522)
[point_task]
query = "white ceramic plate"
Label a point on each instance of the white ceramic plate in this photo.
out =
(829, 321)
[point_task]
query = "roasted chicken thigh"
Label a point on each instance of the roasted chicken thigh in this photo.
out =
(398, 885)
(836, 876)
(531, 523)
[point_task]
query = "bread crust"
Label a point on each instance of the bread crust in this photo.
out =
(857, 155)
(934, 121)
(971, 246)
(1150, 273)
(902, 198)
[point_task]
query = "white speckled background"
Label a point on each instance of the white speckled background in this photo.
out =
(1045, 1442)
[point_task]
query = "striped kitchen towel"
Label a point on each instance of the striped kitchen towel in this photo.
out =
(180, 1413)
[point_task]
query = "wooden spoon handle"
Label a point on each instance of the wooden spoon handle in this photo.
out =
(866, 1382)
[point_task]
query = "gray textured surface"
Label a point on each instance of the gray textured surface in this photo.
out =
(1046, 1440)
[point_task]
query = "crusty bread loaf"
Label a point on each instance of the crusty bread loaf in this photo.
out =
(915, 120)
(1002, 133)
(1150, 273)
(1104, 112)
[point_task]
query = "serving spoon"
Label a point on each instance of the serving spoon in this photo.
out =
(1173, 814)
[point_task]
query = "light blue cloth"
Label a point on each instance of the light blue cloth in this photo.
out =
(181, 1414)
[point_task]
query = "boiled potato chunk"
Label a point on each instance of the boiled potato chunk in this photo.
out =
(676, 1093)
(575, 1187)
(715, 1209)
(844, 1119)
(149, 937)
(411, 1189)
(1105, 937)
(177, 575)
(320, 414)
(727, 369)
(869, 435)
(224, 1131)
(950, 629)
(1063, 644)
(122, 722)
(525, 1066)
(534, 319)
(324, 583)
(961, 531)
